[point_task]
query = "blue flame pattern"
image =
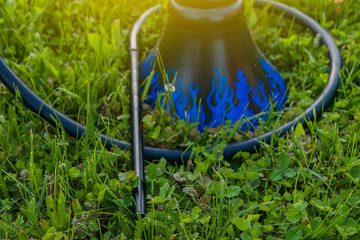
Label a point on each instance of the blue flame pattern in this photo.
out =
(147, 66)
(180, 102)
(192, 109)
(277, 84)
(197, 113)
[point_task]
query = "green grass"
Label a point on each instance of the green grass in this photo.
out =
(74, 55)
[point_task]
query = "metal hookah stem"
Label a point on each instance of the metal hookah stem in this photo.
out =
(137, 145)
(136, 120)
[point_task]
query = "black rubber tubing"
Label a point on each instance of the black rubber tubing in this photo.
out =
(173, 156)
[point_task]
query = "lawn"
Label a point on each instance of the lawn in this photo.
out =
(74, 54)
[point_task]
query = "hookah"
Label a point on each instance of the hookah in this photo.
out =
(220, 74)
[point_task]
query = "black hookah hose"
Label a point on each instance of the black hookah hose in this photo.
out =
(174, 156)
